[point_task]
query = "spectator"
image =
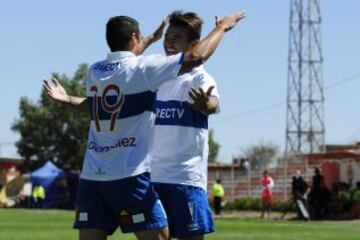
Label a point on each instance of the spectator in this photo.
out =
(38, 196)
(218, 194)
(244, 165)
(267, 198)
(319, 197)
(300, 191)
(256, 163)
(26, 193)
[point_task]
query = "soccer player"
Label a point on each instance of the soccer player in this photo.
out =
(115, 186)
(180, 155)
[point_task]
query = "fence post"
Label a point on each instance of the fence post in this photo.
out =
(249, 182)
(232, 182)
(285, 178)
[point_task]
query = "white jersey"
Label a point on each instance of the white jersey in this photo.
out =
(181, 133)
(121, 92)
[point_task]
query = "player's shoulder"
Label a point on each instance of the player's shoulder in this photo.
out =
(160, 58)
(149, 58)
(144, 61)
(96, 65)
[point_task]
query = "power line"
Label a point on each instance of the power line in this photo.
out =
(346, 80)
(252, 112)
(280, 103)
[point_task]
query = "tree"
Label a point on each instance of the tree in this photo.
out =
(53, 131)
(262, 154)
(214, 148)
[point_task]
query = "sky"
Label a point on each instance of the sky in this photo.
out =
(40, 37)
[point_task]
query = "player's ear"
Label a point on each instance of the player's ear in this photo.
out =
(136, 37)
(133, 42)
(136, 43)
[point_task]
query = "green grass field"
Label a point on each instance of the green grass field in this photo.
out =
(21, 224)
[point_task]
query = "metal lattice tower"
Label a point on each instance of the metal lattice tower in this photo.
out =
(305, 131)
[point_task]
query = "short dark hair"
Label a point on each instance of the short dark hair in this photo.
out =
(119, 31)
(189, 20)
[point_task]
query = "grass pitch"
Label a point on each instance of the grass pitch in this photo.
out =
(20, 224)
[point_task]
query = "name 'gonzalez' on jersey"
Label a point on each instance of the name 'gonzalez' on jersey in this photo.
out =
(121, 93)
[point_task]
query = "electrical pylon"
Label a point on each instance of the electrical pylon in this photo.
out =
(305, 129)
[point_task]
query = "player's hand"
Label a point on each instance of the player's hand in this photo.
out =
(159, 31)
(199, 98)
(155, 36)
(55, 90)
(230, 21)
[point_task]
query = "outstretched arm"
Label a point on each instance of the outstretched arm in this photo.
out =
(57, 92)
(198, 54)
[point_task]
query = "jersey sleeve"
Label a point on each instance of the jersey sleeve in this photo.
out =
(158, 69)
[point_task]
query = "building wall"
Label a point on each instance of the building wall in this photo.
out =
(9, 169)
(350, 172)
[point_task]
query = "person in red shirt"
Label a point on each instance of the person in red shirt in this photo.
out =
(267, 197)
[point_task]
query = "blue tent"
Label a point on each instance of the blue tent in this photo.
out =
(48, 176)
